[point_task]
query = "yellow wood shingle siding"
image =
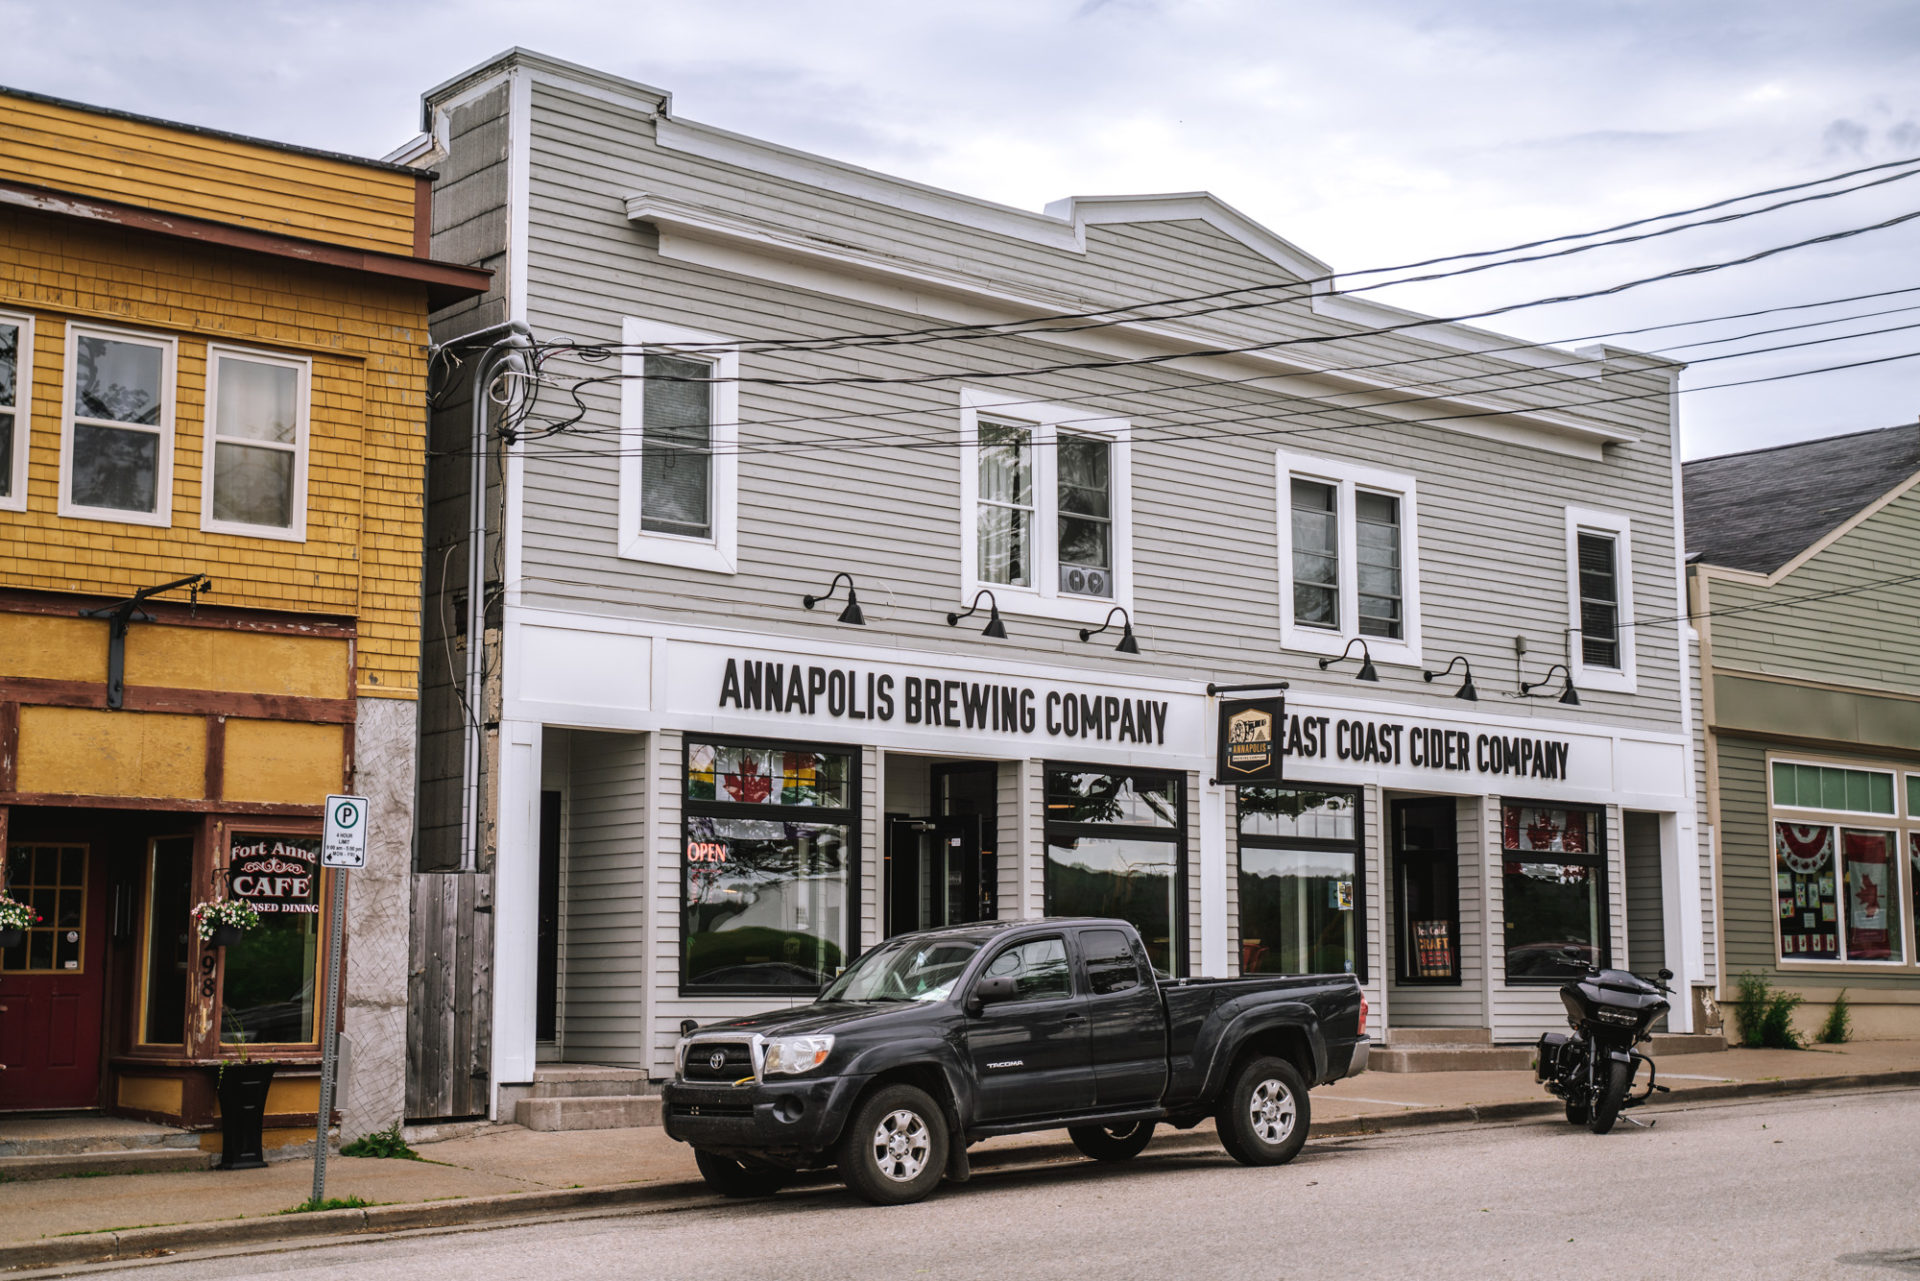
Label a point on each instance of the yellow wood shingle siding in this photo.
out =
(361, 557)
(177, 170)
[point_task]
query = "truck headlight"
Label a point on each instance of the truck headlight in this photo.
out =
(792, 1055)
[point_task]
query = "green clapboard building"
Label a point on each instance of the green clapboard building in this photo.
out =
(1805, 586)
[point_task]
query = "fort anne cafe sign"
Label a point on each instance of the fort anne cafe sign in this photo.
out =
(971, 705)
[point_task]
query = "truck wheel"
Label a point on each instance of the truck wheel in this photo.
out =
(1607, 1107)
(894, 1149)
(732, 1177)
(1264, 1114)
(1112, 1142)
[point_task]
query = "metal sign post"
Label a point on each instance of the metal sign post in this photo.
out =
(343, 845)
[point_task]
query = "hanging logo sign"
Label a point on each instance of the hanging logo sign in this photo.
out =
(275, 874)
(1250, 747)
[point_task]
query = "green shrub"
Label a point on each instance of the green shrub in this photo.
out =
(1838, 1028)
(1766, 1016)
(311, 1206)
(381, 1143)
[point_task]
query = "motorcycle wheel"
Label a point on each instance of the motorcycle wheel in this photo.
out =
(1607, 1107)
(1577, 1113)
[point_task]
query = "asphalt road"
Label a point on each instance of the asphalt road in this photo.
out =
(1796, 1189)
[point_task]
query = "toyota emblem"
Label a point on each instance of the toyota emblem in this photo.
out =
(717, 1060)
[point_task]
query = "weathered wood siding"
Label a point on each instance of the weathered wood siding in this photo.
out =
(449, 996)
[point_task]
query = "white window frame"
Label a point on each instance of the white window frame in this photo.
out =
(1347, 479)
(719, 551)
(1891, 816)
(1619, 527)
(1046, 421)
(162, 514)
(303, 373)
(15, 499)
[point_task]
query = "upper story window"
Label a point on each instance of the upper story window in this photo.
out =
(116, 438)
(1348, 558)
(254, 467)
(679, 465)
(1046, 519)
(16, 388)
(1600, 599)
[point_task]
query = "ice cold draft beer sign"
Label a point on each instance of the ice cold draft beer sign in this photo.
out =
(276, 874)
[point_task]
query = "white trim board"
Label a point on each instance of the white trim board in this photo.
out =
(15, 499)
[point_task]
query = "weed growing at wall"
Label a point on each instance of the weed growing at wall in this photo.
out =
(1766, 1016)
(1838, 1029)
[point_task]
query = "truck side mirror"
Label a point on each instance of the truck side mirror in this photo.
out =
(989, 991)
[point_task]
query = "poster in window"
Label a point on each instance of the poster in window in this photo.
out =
(1249, 749)
(1538, 828)
(1433, 949)
(1804, 855)
(276, 874)
(1869, 886)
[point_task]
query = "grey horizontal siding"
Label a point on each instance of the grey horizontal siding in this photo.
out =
(605, 888)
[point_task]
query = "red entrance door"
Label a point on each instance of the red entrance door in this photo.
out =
(52, 984)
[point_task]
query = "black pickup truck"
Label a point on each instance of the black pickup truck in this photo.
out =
(936, 1040)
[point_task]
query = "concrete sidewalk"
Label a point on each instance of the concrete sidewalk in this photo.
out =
(505, 1170)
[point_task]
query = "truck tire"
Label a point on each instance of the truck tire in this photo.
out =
(1112, 1142)
(1607, 1107)
(1264, 1114)
(732, 1177)
(894, 1149)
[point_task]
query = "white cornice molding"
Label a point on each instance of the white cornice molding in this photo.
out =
(755, 250)
(1193, 206)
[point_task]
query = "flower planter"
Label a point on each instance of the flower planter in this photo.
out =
(11, 938)
(226, 935)
(242, 1090)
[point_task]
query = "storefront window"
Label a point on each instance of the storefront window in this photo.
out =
(52, 881)
(1299, 887)
(1838, 893)
(1116, 847)
(169, 900)
(268, 993)
(767, 866)
(1555, 906)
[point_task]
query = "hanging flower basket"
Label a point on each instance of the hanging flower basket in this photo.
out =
(222, 922)
(15, 917)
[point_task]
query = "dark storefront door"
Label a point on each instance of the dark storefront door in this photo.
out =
(1426, 888)
(52, 984)
(933, 873)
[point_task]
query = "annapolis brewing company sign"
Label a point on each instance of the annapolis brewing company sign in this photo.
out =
(937, 701)
(1250, 734)
(276, 874)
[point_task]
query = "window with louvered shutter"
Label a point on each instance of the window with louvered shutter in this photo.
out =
(1599, 601)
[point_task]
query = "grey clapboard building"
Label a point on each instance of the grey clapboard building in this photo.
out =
(1805, 579)
(659, 787)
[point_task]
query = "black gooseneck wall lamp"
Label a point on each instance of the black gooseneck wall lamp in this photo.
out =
(1567, 695)
(1127, 645)
(1466, 690)
(994, 628)
(1366, 672)
(851, 614)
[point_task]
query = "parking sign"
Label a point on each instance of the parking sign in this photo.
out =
(344, 841)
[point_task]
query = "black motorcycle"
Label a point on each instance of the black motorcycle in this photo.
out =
(1611, 1012)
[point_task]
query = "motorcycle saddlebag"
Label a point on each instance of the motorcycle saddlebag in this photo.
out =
(1547, 1058)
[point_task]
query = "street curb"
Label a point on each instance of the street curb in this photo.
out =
(134, 1243)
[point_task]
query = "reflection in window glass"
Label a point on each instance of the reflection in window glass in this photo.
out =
(1086, 516)
(256, 426)
(766, 902)
(1005, 534)
(169, 899)
(1301, 812)
(268, 993)
(1296, 911)
(1123, 799)
(1133, 880)
(1316, 555)
(1111, 965)
(117, 408)
(9, 401)
(1376, 525)
(1551, 909)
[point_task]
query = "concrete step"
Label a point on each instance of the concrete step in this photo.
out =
(1439, 1036)
(1665, 1043)
(585, 1081)
(1451, 1058)
(597, 1112)
(67, 1165)
(70, 1135)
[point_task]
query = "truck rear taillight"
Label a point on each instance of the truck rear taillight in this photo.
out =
(1363, 1017)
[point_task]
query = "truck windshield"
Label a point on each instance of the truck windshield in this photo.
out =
(908, 970)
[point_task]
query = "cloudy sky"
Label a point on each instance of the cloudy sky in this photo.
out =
(1369, 132)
